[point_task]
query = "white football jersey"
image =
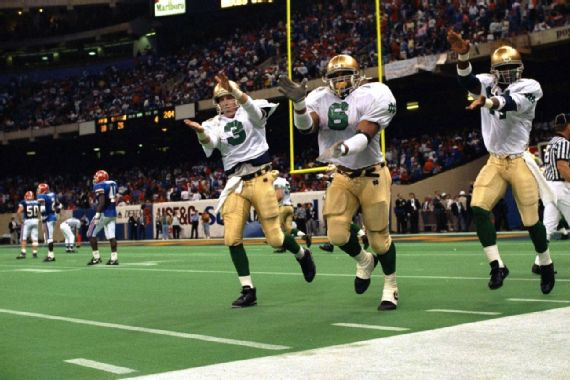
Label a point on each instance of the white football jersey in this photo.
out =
(508, 132)
(339, 117)
(238, 139)
(282, 183)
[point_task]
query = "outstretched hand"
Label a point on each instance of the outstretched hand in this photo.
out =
(194, 125)
(476, 104)
(294, 91)
(222, 79)
(458, 44)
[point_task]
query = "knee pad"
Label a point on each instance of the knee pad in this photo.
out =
(230, 241)
(338, 233)
(380, 241)
(275, 238)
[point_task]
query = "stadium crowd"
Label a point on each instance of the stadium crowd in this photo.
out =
(256, 58)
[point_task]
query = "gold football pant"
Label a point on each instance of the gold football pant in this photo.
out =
(372, 194)
(259, 193)
(492, 181)
(286, 218)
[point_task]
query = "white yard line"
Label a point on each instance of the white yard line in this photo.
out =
(371, 327)
(101, 366)
(468, 351)
(34, 270)
(537, 300)
(464, 312)
(205, 338)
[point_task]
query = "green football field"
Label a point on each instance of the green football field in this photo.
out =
(167, 308)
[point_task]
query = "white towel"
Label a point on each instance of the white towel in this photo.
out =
(234, 185)
(547, 194)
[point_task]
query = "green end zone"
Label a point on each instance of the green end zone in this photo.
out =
(168, 308)
(325, 168)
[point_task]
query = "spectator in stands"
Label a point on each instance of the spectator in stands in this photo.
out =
(165, 222)
(426, 212)
(176, 226)
(194, 221)
(205, 216)
(400, 211)
(158, 224)
(413, 207)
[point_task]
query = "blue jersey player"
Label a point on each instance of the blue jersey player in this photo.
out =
(105, 216)
(28, 213)
(49, 206)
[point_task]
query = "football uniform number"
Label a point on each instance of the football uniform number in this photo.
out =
(112, 193)
(338, 116)
(237, 131)
(32, 211)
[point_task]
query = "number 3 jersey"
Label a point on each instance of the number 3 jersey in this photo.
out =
(239, 139)
(508, 132)
(339, 117)
(109, 189)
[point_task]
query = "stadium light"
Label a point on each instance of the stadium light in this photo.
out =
(96, 149)
(140, 145)
(41, 10)
(45, 58)
(92, 53)
(411, 106)
(150, 34)
(164, 130)
(30, 153)
(20, 13)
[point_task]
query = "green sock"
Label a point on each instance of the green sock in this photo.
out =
(354, 228)
(352, 247)
(485, 229)
(388, 260)
(290, 244)
(538, 236)
(239, 259)
(294, 231)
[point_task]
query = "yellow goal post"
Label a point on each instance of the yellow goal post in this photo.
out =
(320, 169)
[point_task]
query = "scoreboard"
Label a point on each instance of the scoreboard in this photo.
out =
(216, 5)
(143, 119)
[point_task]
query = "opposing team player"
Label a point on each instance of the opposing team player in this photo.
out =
(348, 116)
(105, 216)
(69, 230)
(238, 132)
(27, 214)
(283, 192)
(507, 103)
(557, 173)
(49, 207)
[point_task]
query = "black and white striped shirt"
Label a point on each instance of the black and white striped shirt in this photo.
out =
(558, 148)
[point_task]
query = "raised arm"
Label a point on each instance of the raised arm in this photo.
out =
(255, 113)
(304, 121)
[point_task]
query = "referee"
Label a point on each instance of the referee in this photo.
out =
(557, 173)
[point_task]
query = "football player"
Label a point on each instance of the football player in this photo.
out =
(557, 173)
(105, 216)
(348, 116)
(69, 229)
(27, 214)
(283, 192)
(49, 206)
(507, 103)
(238, 132)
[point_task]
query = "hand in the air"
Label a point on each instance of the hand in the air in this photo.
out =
(222, 79)
(294, 91)
(476, 104)
(458, 44)
(194, 125)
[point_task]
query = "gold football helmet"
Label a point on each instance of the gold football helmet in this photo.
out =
(343, 75)
(506, 65)
(220, 92)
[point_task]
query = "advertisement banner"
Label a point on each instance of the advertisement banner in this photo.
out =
(125, 212)
(183, 210)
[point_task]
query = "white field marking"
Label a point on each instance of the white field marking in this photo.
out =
(464, 351)
(464, 312)
(101, 366)
(205, 338)
(371, 327)
(33, 270)
(537, 299)
(143, 263)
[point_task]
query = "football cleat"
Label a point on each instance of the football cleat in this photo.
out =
(35, 255)
(363, 273)
(112, 262)
(21, 256)
(365, 242)
(247, 298)
(535, 269)
(547, 278)
(389, 299)
(308, 238)
(49, 259)
(94, 261)
(100, 176)
(308, 265)
(497, 275)
(327, 247)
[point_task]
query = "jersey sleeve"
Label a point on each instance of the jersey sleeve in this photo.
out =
(563, 151)
(380, 105)
(313, 100)
(98, 188)
(266, 107)
(209, 127)
(487, 80)
(526, 96)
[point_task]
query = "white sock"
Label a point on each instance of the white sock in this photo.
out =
(536, 261)
(23, 250)
(300, 233)
(114, 256)
(544, 258)
(363, 258)
(360, 233)
(390, 281)
(301, 253)
(50, 254)
(492, 253)
(245, 281)
(96, 255)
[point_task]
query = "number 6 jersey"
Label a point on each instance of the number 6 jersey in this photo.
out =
(239, 139)
(339, 117)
